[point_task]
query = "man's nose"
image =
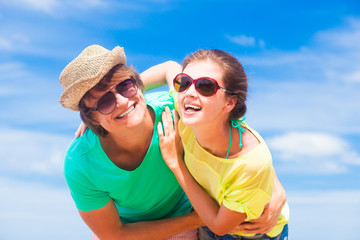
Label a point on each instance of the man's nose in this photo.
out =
(120, 99)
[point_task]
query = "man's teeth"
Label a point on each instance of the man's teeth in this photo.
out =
(127, 112)
(192, 107)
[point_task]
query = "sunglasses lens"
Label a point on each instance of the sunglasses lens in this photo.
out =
(127, 88)
(182, 82)
(106, 103)
(206, 87)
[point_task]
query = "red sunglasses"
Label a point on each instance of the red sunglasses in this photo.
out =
(205, 86)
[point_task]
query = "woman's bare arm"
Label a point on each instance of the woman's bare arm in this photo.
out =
(220, 220)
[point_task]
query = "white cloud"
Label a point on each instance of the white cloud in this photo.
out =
(245, 41)
(312, 214)
(303, 104)
(346, 37)
(12, 70)
(352, 77)
(307, 144)
(333, 55)
(53, 6)
(313, 152)
(43, 212)
(261, 43)
(242, 40)
(315, 87)
(14, 41)
(67, 7)
(5, 43)
(87, 4)
(32, 152)
(47, 6)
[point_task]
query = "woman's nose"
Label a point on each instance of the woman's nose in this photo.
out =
(191, 90)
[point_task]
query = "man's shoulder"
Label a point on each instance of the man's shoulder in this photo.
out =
(158, 100)
(80, 149)
(158, 97)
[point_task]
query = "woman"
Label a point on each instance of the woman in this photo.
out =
(227, 173)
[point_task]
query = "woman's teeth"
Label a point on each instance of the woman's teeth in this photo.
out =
(189, 107)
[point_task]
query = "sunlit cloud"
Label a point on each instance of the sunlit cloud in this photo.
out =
(9, 71)
(46, 6)
(307, 144)
(324, 202)
(345, 37)
(333, 54)
(242, 40)
(44, 212)
(51, 6)
(65, 7)
(245, 41)
(315, 87)
(313, 152)
(90, 3)
(14, 41)
(32, 152)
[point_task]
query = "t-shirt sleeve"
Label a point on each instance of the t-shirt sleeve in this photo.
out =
(158, 100)
(86, 195)
(252, 202)
(250, 191)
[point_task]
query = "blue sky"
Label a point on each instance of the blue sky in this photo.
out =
(303, 63)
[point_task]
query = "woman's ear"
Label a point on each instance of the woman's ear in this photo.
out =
(230, 104)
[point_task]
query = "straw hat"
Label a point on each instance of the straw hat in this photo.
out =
(85, 71)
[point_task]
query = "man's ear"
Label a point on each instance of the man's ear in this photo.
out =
(230, 104)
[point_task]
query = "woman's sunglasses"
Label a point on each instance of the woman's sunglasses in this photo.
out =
(107, 102)
(205, 86)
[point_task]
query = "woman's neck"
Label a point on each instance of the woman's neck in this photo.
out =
(213, 137)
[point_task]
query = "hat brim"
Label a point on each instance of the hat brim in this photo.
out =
(72, 95)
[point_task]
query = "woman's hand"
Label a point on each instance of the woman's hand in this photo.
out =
(81, 130)
(169, 139)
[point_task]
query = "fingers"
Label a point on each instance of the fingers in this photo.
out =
(246, 229)
(81, 130)
(176, 116)
(167, 121)
(162, 127)
(160, 130)
(77, 134)
(250, 227)
(176, 121)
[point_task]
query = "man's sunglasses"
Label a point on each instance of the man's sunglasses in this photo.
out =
(107, 102)
(205, 86)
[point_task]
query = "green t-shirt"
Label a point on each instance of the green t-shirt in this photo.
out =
(149, 192)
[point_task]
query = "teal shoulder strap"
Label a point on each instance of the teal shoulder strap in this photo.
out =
(236, 123)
